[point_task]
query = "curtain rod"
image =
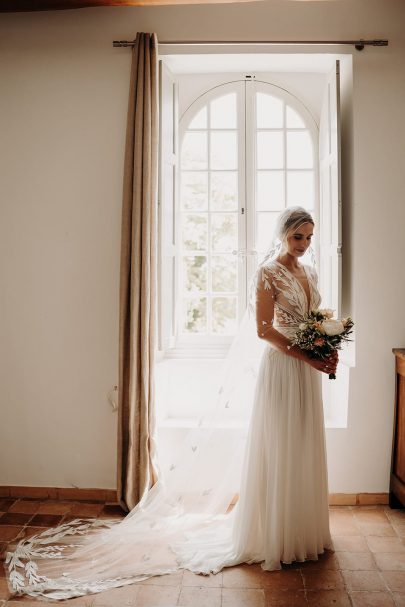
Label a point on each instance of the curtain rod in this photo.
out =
(358, 44)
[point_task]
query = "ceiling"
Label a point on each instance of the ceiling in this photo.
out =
(8, 6)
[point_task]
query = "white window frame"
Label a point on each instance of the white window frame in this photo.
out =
(313, 128)
(217, 342)
(217, 346)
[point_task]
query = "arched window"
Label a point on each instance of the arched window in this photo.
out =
(248, 149)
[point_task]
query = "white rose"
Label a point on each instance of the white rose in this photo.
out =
(303, 326)
(333, 327)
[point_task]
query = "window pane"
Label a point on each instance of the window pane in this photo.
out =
(294, 120)
(224, 191)
(270, 190)
(269, 111)
(200, 120)
(224, 311)
(194, 194)
(194, 153)
(224, 273)
(223, 112)
(300, 189)
(195, 315)
(266, 224)
(195, 273)
(270, 150)
(224, 150)
(194, 229)
(224, 232)
(299, 150)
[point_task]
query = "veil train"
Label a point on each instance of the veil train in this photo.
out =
(182, 522)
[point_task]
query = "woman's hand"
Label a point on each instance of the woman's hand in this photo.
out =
(326, 365)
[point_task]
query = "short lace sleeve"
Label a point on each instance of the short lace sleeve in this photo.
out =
(265, 297)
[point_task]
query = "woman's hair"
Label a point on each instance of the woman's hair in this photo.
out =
(290, 220)
(287, 222)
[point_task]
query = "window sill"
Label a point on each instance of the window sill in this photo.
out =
(193, 352)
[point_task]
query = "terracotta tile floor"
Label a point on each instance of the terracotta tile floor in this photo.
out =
(367, 568)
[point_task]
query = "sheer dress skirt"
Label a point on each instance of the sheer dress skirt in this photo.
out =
(282, 514)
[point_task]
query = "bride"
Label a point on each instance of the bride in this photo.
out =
(282, 512)
(283, 508)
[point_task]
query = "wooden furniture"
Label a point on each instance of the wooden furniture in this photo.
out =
(397, 477)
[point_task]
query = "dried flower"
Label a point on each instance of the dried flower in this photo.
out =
(327, 312)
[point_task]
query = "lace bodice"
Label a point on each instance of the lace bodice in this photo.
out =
(281, 300)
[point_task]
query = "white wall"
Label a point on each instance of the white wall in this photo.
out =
(62, 112)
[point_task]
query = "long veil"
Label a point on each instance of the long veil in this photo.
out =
(182, 522)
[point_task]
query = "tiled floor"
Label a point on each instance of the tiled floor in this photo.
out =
(367, 568)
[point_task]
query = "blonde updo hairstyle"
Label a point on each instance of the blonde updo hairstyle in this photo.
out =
(289, 221)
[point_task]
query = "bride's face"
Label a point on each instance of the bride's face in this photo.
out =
(298, 242)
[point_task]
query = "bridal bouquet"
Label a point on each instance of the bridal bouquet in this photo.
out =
(320, 334)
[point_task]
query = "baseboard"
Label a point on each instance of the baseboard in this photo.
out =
(60, 493)
(110, 495)
(349, 499)
(358, 499)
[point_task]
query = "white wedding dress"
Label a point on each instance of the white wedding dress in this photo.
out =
(282, 514)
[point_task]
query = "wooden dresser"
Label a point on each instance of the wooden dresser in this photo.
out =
(397, 477)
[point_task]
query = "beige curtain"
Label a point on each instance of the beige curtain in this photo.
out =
(136, 394)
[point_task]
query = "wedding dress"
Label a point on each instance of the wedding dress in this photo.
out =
(279, 463)
(282, 514)
(283, 510)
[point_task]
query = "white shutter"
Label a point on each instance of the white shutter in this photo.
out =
(168, 154)
(330, 195)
